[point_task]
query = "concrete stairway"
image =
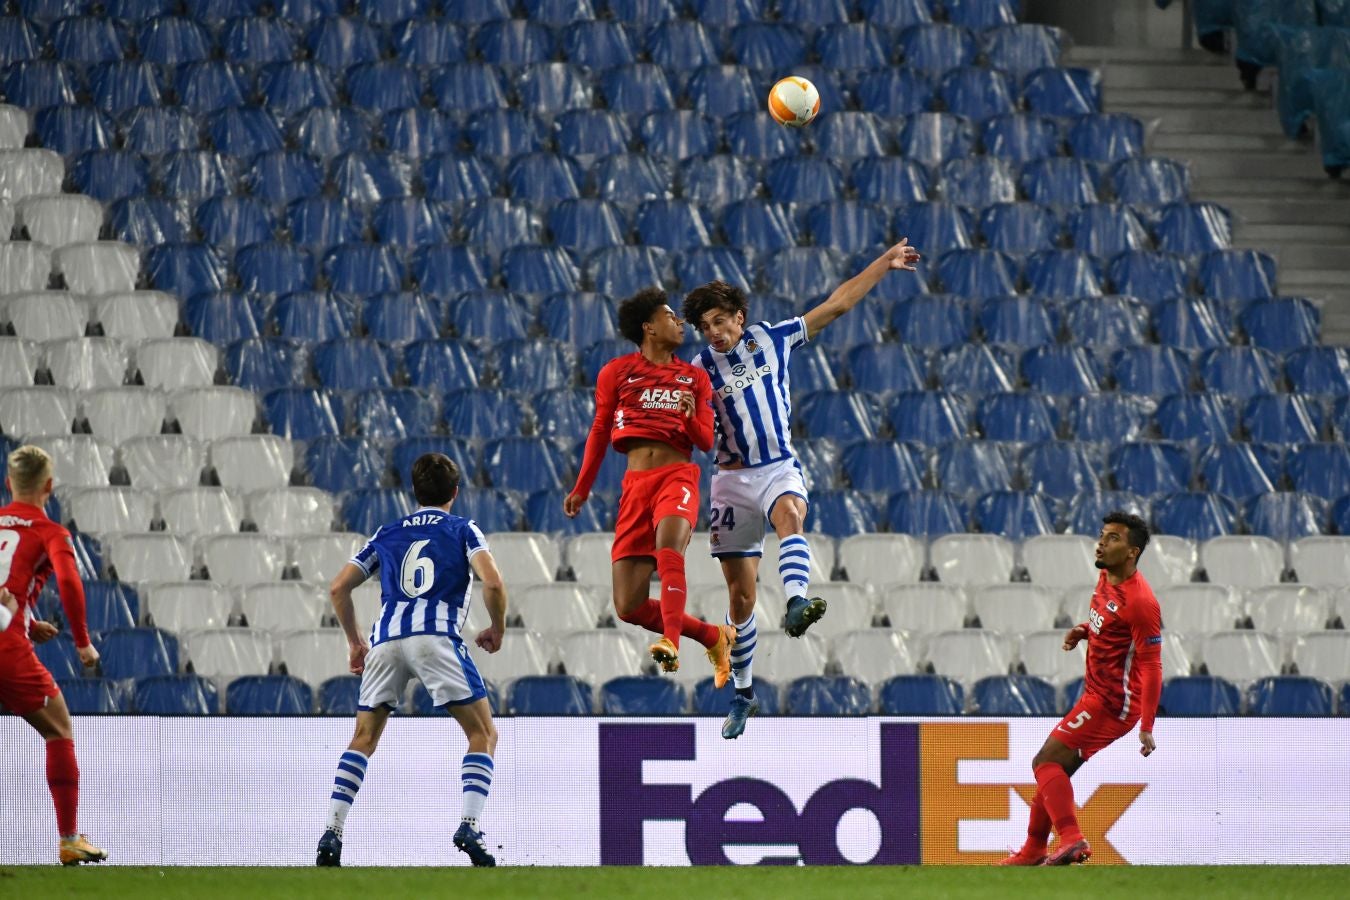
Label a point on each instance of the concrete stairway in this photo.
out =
(1282, 201)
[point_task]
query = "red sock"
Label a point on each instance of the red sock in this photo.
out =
(648, 615)
(1056, 793)
(670, 567)
(63, 778)
(1038, 827)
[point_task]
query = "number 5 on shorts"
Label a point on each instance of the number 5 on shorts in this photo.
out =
(1082, 717)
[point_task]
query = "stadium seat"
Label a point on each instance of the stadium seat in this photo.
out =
(318, 557)
(110, 605)
(935, 48)
(1063, 273)
(972, 559)
(1169, 559)
(1323, 654)
(59, 657)
(643, 695)
(1019, 417)
(976, 273)
(921, 695)
(41, 410)
(1106, 230)
(313, 655)
(924, 608)
(781, 659)
(196, 511)
(155, 556)
(283, 606)
(827, 695)
(968, 654)
(1107, 322)
(1240, 470)
(977, 369)
(932, 138)
(175, 695)
(1150, 181)
(1198, 609)
(925, 513)
(1012, 514)
(549, 695)
(1058, 560)
(840, 513)
(235, 559)
(1202, 419)
(1321, 560)
(91, 696)
(162, 461)
(1019, 228)
(1042, 656)
(1062, 469)
(845, 416)
(1199, 695)
(1242, 561)
(227, 653)
(881, 559)
(1106, 138)
(1010, 608)
(1013, 695)
(338, 696)
(872, 655)
(1242, 656)
(1197, 515)
(1286, 609)
(881, 466)
(883, 368)
(554, 608)
(107, 509)
(708, 701)
(1290, 696)
(524, 655)
(1286, 516)
(1151, 467)
(1058, 182)
(971, 468)
(268, 695)
(138, 653)
(1319, 370)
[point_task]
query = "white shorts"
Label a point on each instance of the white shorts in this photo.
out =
(741, 500)
(440, 662)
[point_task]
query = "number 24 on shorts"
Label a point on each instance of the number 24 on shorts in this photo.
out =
(722, 518)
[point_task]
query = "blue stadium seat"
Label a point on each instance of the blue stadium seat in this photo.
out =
(1190, 228)
(138, 653)
(768, 46)
(756, 136)
(710, 701)
(336, 463)
(489, 316)
(839, 513)
(579, 319)
(803, 179)
(701, 265)
(225, 317)
(642, 695)
(1062, 469)
(350, 364)
(544, 512)
(274, 268)
(1106, 230)
(175, 695)
(894, 91)
(1282, 324)
(921, 695)
(1196, 515)
(1085, 511)
(367, 509)
(109, 175)
(933, 321)
(1239, 371)
(1019, 228)
(338, 696)
(525, 463)
(384, 85)
(673, 225)
(1289, 695)
(1106, 138)
(340, 41)
(369, 178)
(244, 131)
(1150, 467)
(882, 466)
(195, 174)
(404, 453)
(91, 696)
(314, 316)
(73, 129)
(601, 352)
(1014, 695)
(513, 42)
(843, 415)
(819, 461)
(866, 325)
(402, 317)
(124, 85)
(410, 221)
(477, 12)
(268, 695)
(258, 40)
(1150, 276)
(484, 413)
(925, 513)
(110, 605)
(1283, 418)
(211, 86)
(1063, 91)
(1192, 323)
(1023, 417)
(1340, 515)
(1237, 275)
(976, 273)
(1240, 470)
(977, 93)
(1200, 418)
(446, 270)
(598, 44)
(549, 695)
(932, 138)
(636, 88)
(882, 368)
(933, 48)
(1321, 469)
(394, 413)
(18, 40)
(171, 40)
(890, 180)
(228, 222)
(540, 270)
(147, 221)
(156, 130)
(362, 269)
(1059, 181)
(1107, 322)
(803, 271)
(827, 695)
(469, 87)
(896, 14)
(294, 86)
(935, 226)
(623, 271)
(978, 181)
(88, 550)
(682, 45)
(36, 83)
(970, 468)
(1286, 516)
(720, 178)
(1319, 370)
(979, 15)
(1150, 181)
(1016, 515)
(303, 413)
(977, 369)
(1020, 138)
(415, 132)
(1199, 695)
(1024, 321)
(814, 368)
(280, 177)
(929, 417)
(1063, 273)
(586, 225)
(60, 657)
(185, 269)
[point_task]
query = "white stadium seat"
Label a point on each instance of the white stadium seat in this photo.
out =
(588, 556)
(822, 555)
(1242, 561)
(228, 653)
(25, 267)
(873, 655)
(1015, 608)
(187, 605)
(1288, 608)
(253, 462)
(60, 219)
(1242, 656)
(104, 510)
(163, 461)
(137, 315)
(87, 363)
(7, 212)
(553, 608)
(366, 600)
(20, 360)
(1324, 655)
(972, 559)
(319, 557)
(292, 511)
(201, 510)
(850, 607)
(239, 559)
(1168, 560)
(280, 606)
(925, 608)
(177, 362)
(1044, 656)
(119, 414)
(98, 267)
(1321, 560)
(779, 658)
(882, 559)
(597, 655)
(44, 315)
(1059, 560)
(1176, 659)
(80, 460)
(1199, 608)
(968, 654)
(14, 128)
(522, 653)
(149, 556)
(315, 655)
(29, 171)
(530, 557)
(1076, 600)
(211, 413)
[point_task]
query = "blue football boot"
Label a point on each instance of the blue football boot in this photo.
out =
(330, 849)
(802, 614)
(471, 842)
(741, 709)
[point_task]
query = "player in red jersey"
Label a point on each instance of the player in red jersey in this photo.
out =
(654, 408)
(1122, 685)
(32, 549)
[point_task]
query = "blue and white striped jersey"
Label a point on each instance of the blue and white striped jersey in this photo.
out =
(425, 577)
(751, 395)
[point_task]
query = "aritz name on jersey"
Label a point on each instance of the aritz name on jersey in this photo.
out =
(15, 520)
(742, 376)
(660, 398)
(423, 519)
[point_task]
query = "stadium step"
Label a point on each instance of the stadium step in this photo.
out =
(1178, 143)
(1126, 99)
(1116, 75)
(1183, 120)
(1268, 166)
(1257, 210)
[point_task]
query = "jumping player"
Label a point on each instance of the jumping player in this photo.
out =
(758, 475)
(426, 562)
(1122, 685)
(33, 548)
(654, 408)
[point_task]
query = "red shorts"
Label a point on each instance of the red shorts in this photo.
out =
(25, 683)
(1090, 727)
(648, 497)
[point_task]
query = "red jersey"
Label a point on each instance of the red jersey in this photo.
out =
(32, 548)
(636, 399)
(1124, 657)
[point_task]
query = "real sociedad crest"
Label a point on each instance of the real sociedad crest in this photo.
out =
(752, 345)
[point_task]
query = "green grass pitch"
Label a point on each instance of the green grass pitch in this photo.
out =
(825, 883)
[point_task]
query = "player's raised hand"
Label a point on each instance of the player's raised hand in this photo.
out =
(490, 639)
(686, 401)
(572, 504)
(88, 656)
(41, 632)
(1074, 635)
(1146, 743)
(356, 656)
(903, 256)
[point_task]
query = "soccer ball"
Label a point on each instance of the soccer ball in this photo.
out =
(794, 101)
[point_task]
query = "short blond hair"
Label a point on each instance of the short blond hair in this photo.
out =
(29, 469)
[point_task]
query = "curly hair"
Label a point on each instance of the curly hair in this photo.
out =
(1137, 529)
(714, 295)
(638, 310)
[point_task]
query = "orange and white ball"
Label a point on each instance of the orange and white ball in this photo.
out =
(794, 101)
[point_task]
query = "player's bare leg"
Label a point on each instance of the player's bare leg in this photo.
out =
(52, 722)
(788, 517)
(741, 573)
(1053, 765)
(476, 775)
(351, 774)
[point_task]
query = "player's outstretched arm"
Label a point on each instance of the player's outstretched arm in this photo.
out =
(340, 595)
(847, 295)
(494, 598)
(597, 442)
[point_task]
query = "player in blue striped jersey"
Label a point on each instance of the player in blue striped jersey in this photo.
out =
(426, 563)
(758, 476)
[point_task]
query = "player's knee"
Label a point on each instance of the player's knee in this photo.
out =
(789, 520)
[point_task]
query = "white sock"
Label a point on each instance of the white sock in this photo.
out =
(475, 773)
(743, 654)
(351, 772)
(794, 565)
